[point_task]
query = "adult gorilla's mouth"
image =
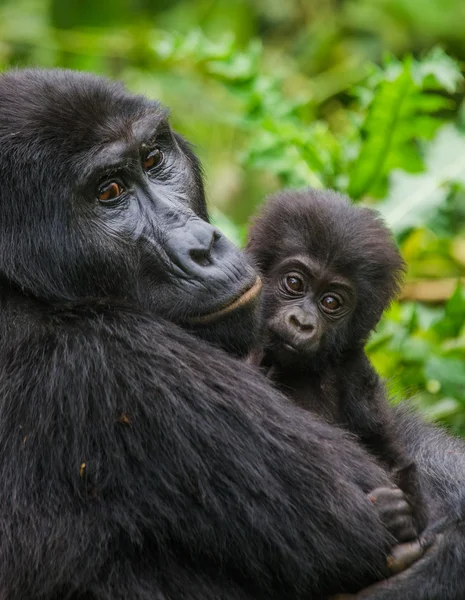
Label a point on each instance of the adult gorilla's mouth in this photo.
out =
(233, 304)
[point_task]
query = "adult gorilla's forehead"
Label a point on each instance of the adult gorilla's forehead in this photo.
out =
(68, 108)
(122, 139)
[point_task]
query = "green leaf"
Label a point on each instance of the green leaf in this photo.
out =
(402, 110)
(232, 231)
(442, 409)
(415, 199)
(383, 118)
(438, 65)
(412, 199)
(453, 318)
(450, 373)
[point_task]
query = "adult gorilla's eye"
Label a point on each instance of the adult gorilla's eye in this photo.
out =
(330, 303)
(109, 192)
(294, 284)
(153, 160)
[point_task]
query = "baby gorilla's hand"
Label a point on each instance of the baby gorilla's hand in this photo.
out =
(401, 557)
(395, 512)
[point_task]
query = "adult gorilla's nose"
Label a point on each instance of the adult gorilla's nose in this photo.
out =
(202, 253)
(193, 245)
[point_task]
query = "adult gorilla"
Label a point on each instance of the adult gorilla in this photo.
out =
(136, 460)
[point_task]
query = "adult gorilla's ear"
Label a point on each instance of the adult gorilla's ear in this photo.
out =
(197, 192)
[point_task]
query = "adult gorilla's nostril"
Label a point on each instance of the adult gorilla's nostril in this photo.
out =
(203, 256)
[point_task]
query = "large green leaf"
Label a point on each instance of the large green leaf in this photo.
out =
(385, 114)
(399, 113)
(414, 199)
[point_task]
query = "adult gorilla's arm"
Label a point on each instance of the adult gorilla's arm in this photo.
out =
(440, 574)
(139, 462)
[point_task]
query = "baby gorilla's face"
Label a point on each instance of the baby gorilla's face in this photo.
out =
(307, 311)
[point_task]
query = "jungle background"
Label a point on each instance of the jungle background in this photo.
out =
(363, 96)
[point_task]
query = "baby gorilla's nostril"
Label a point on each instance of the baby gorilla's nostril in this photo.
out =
(301, 325)
(307, 327)
(201, 257)
(294, 322)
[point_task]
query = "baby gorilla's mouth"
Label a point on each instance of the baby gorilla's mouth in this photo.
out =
(287, 348)
(233, 304)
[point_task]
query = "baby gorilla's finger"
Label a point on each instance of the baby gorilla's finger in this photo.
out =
(403, 555)
(402, 528)
(394, 507)
(395, 512)
(393, 491)
(386, 495)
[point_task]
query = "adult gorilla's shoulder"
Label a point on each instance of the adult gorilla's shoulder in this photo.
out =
(138, 461)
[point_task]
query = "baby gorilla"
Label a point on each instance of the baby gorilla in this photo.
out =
(329, 270)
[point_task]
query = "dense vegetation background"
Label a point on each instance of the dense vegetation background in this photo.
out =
(364, 96)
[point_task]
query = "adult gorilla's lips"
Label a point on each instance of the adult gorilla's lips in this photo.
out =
(238, 302)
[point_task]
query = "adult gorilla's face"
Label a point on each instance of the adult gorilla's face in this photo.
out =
(99, 198)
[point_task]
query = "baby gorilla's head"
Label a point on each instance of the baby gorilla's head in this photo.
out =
(329, 268)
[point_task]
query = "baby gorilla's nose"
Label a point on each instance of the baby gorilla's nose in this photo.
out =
(302, 323)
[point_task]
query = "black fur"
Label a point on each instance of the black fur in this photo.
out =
(440, 460)
(136, 460)
(327, 370)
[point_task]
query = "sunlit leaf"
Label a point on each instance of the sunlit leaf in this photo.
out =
(441, 67)
(399, 113)
(413, 199)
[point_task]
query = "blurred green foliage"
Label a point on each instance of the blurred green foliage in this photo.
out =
(364, 96)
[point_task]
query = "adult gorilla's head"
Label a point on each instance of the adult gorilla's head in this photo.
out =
(100, 198)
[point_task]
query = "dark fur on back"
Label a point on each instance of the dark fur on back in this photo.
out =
(139, 462)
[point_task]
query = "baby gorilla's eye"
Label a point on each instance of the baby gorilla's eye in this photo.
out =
(294, 284)
(330, 302)
(153, 160)
(109, 192)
